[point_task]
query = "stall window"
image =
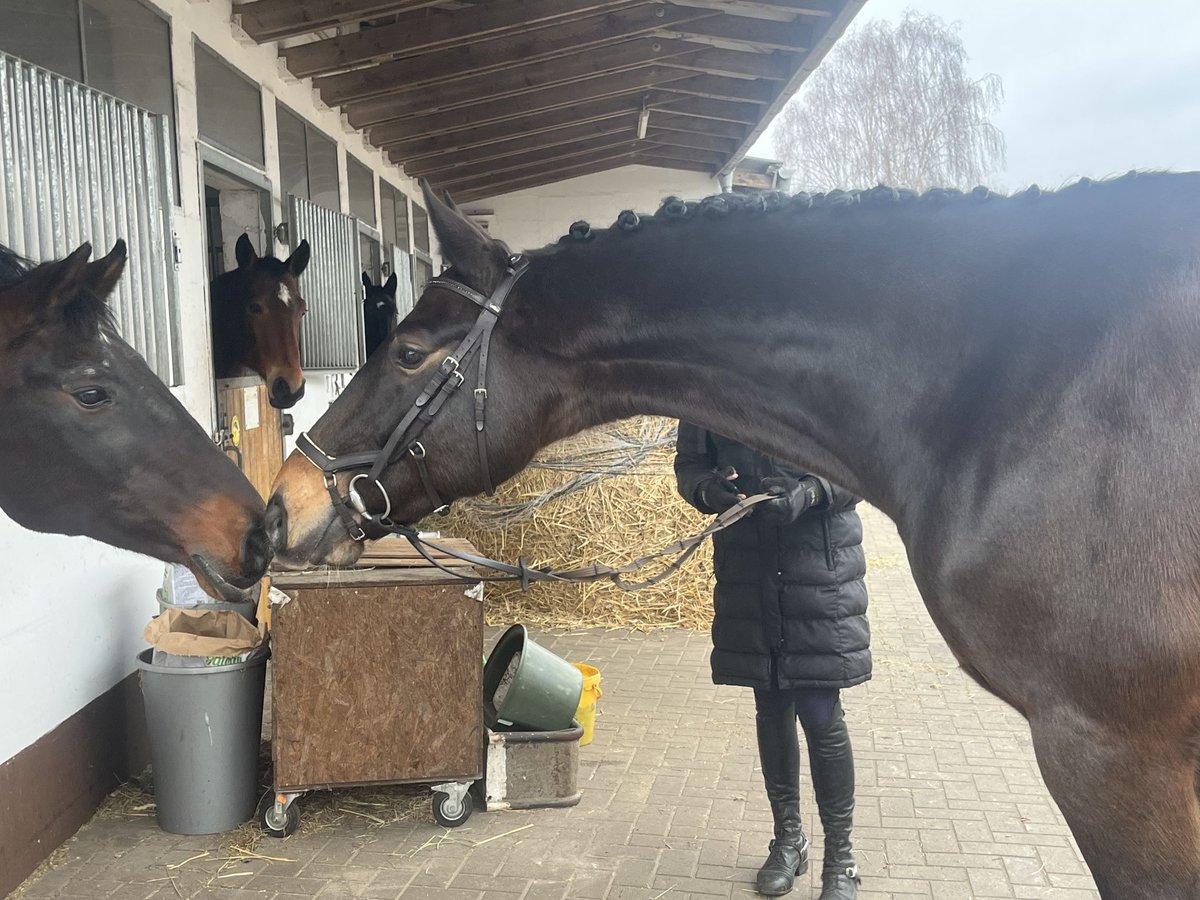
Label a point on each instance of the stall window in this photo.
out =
(420, 221)
(393, 209)
(361, 183)
(229, 108)
(307, 160)
(44, 32)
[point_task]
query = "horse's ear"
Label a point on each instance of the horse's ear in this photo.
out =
(390, 285)
(53, 285)
(367, 283)
(244, 251)
(298, 261)
(60, 281)
(474, 254)
(449, 200)
(103, 274)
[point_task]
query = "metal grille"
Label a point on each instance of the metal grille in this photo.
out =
(81, 165)
(331, 335)
(402, 266)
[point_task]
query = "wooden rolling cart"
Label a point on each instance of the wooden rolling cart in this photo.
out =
(377, 679)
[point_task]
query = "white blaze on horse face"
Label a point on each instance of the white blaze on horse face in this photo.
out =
(285, 296)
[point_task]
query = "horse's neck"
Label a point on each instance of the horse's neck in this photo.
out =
(745, 356)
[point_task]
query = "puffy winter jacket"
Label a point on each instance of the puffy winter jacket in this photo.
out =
(790, 602)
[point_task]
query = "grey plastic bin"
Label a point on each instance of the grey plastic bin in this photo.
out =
(205, 728)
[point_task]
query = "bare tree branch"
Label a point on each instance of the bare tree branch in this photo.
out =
(894, 104)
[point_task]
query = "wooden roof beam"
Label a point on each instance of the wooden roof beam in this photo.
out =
(537, 179)
(741, 33)
(421, 32)
(597, 157)
(500, 53)
(274, 20)
(780, 10)
(719, 110)
(600, 161)
(684, 154)
(738, 90)
(439, 159)
(516, 81)
(775, 66)
(538, 158)
(635, 81)
(721, 145)
(665, 120)
(414, 143)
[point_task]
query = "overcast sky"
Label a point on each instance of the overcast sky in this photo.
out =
(1091, 87)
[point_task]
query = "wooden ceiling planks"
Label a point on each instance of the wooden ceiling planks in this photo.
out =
(488, 96)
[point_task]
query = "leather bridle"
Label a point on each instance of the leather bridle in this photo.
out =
(405, 438)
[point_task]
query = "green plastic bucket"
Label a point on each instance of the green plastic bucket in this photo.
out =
(539, 691)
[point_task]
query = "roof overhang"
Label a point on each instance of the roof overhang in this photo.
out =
(483, 98)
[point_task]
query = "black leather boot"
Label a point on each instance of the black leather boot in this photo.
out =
(779, 753)
(832, 765)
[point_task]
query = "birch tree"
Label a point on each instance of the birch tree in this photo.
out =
(893, 104)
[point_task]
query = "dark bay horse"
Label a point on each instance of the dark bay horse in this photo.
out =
(256, 312)
(95, 444)
(1015, 381)
(379, 310)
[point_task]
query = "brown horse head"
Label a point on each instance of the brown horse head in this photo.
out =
(301, 515)
(97, 445)
(256, 313)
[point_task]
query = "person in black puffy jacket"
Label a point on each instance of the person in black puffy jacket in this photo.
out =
(790, 621)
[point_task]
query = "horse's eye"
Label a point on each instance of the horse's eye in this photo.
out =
(91, 397)
(257, 309)
(410, 357)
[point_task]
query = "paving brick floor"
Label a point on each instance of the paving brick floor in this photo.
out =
(950, 803)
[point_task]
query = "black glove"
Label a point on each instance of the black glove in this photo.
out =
(792, 498)
(717, 492)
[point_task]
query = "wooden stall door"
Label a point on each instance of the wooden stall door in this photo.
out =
(255, 428)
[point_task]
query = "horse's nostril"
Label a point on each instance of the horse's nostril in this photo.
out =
(275, 522)
(280, 389)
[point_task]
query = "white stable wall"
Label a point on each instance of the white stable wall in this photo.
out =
(526, 220)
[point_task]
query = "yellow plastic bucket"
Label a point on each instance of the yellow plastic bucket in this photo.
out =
(586, 714)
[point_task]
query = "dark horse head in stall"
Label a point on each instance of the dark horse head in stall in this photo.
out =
(256, 312)
(379, 310)
(95, 444)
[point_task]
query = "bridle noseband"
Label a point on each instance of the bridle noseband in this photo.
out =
(446, 380)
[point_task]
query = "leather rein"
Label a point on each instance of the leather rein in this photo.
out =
(405, 439)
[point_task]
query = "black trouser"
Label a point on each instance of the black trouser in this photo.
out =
(830, 761)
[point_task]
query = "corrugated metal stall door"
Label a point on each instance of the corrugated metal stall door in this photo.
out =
(331, 335)
(81, 165)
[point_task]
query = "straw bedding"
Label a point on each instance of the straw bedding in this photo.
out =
(605, 495)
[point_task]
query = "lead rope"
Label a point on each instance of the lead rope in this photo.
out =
(525, 574)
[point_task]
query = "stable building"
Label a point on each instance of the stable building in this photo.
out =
(180, 125)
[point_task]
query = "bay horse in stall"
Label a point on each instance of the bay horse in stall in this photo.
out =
(379, 310)
(95, 444)
(256, 313)
(1014, 381)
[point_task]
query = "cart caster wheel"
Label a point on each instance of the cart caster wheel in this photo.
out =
(449, 814)
(276, 825)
